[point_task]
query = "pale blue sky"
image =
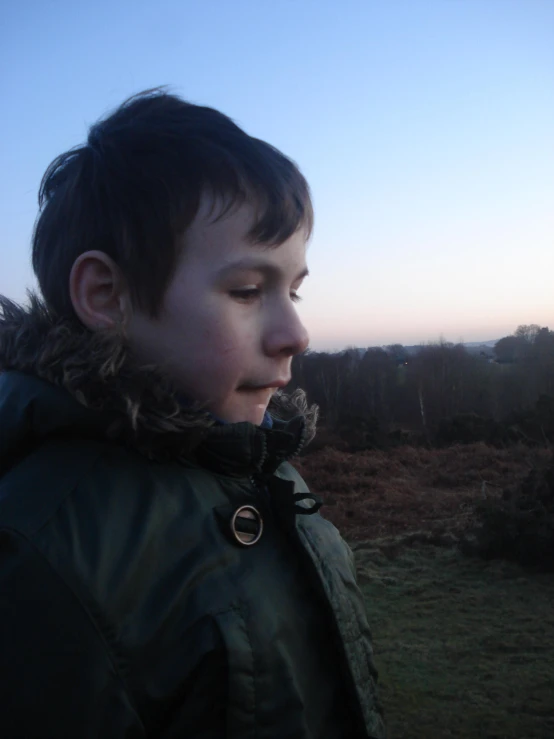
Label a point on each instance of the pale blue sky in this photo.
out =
(425, 129)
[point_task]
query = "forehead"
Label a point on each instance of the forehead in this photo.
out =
(217, 239)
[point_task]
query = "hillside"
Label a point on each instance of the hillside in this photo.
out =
(464, 647)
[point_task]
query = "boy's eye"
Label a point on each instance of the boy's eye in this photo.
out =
(246, 294)
(249, 294)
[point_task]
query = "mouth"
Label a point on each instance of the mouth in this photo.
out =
(274, 385)
(261, 394)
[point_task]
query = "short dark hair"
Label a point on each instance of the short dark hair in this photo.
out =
(136, 186)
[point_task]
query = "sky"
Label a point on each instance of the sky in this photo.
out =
(424, 127)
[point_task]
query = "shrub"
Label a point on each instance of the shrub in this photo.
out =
(470, 428)
(463, 429)
(360, 432)
(519, 525)
(325, 438)
(534, 427)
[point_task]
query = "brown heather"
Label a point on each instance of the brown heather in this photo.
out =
(374, 494)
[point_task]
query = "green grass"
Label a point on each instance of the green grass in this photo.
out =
(464, 648)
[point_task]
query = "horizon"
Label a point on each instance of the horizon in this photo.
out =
(423, 129)
(421, 344)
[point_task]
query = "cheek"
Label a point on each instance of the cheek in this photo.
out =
(228, 357)
(213, 354)
(211, 342)
(226, 330)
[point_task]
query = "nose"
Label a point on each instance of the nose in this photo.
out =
(285, 334)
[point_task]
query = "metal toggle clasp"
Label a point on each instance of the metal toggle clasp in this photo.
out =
(247, 525)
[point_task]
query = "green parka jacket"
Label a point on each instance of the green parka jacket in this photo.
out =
(133, 602)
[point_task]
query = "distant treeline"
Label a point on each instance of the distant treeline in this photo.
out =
(441, 394)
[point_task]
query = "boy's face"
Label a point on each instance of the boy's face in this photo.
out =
(228, 327)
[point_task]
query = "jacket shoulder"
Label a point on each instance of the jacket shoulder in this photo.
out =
(33, 490)
(94, 477)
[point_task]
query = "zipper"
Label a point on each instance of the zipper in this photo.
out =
(261, 490)
(313, 574)
(300, 446)
(288, 526)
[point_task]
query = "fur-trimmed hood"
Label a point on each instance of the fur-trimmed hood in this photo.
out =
(98, 371)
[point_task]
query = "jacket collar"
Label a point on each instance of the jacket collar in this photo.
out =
(57, 377)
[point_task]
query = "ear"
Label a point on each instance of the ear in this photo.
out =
(98, 291)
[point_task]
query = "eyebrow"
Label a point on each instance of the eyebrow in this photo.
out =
(252, 264)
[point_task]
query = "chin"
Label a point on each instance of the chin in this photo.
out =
(244, 406)
(247, 415)
(253, 414)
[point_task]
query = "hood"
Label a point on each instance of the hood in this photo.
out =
(132, 404)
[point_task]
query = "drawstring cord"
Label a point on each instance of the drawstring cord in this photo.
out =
(317, 502)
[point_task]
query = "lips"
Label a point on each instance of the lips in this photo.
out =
(256, 389)
(273, 385)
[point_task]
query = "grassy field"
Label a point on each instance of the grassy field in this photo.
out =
(465, 648)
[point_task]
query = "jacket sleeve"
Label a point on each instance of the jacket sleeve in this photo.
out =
(57, 676)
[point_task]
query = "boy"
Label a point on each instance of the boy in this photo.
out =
(163, 569)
